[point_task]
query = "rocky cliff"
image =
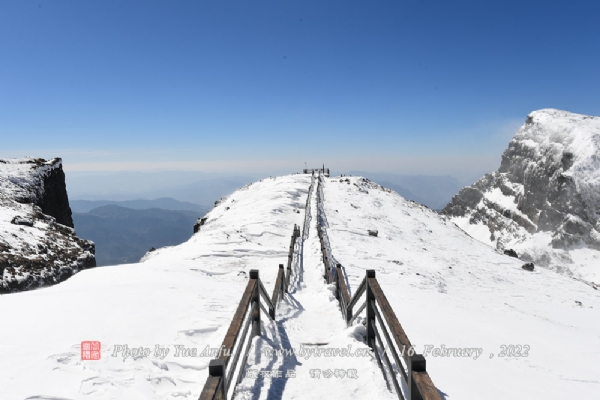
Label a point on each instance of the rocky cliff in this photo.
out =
(38, 245)
(544, 200)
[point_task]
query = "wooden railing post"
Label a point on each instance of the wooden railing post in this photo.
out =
(216, 368)
(295, 235)
(255, 304)
(278, 292)
(344, 295)
(337, 289)
(282, 288)
(370, 312)
(417, 364)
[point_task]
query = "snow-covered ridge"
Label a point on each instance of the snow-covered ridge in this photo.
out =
(446, 288)
(38, 245)
(544, 200)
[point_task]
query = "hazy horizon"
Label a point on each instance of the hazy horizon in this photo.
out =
(204, 188)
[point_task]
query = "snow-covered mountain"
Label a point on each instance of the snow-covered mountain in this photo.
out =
(38, 245)
(544, 200)
(447, 289)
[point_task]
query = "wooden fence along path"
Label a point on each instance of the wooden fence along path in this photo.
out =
(385, 335)
(223, 370)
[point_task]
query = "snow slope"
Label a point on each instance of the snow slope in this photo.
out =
(180, 296)
(445, 287)
(450, 290)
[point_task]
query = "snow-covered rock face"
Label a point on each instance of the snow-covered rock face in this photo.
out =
(545, 197)
(38, 245)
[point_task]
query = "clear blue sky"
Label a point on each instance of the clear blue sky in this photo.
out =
(436, 87)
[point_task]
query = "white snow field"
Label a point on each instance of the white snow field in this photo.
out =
(180, 296)
(450, 290)
(446, 288)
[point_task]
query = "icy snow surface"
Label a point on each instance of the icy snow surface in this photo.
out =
(445, 287)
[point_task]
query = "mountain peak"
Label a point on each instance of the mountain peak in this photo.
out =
(545, 197)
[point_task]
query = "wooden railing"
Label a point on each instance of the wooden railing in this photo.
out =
(307, 210)
(283, 279)
(237, 342)
(381, 320)
(329, 261)
(382, 323)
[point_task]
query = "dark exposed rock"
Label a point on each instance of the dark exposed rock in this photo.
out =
(511, 253)
(43, 247)
(528, 267)
(199, 223)
(373, 232)
(547, 182)
(22, 221)
(54, 200)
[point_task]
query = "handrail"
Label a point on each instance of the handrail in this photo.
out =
(279, 288)
(342, 292)
(359, 292)
(295, 236)
(415, 377)
(327, 274)
(307, 212)
(217, 385)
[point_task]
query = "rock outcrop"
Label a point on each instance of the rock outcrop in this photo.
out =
(544, 200)
(38, 245)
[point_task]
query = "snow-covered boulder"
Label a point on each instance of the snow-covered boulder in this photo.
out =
(544, 200)
(38, 245)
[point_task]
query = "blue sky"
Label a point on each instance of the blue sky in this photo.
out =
(433, 87)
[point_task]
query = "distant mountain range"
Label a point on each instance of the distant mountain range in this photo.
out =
(194, 187)
(124, 235)
(203, 188)
(200, 188)
(165, 203)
